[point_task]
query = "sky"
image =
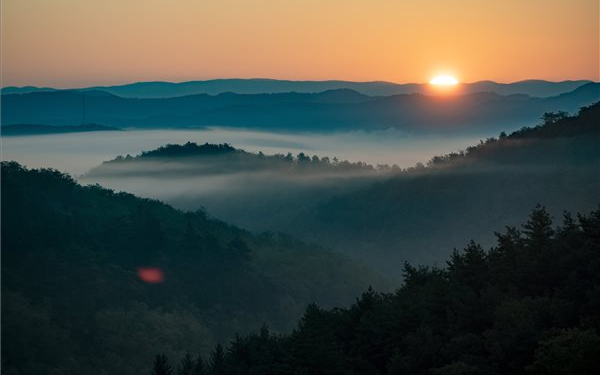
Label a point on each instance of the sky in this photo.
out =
(76, 43)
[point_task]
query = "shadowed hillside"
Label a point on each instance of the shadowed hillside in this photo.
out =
(413, 215)
(529, 305)
(74, 261)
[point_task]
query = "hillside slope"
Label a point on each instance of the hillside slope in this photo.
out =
(383, 216)
(529, 305)
(74, 262)
(413, 215)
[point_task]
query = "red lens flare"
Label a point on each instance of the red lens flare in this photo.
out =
(151, 275)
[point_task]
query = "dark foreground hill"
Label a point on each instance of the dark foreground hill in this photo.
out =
(529, 305)
(74, 262)
(325, 111)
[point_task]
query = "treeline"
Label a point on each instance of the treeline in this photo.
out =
(554, 125)
(231, 158)
(529, 305)
(73, 296)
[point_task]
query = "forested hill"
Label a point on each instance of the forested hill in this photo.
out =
(529, 305)
(523, 146)
(384, 218)
(74, 259)
(416, 214)
(192, 159)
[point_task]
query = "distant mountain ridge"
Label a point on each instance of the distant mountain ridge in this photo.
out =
(537, 88)
(326, 111)
(36, 129)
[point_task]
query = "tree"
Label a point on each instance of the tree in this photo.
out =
(570, 352)
(186, 367)
(552, 117)
(538, 229)
(199, 366)
(161, 365)
(217, 361)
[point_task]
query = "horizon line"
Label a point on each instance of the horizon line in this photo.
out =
(128, 83)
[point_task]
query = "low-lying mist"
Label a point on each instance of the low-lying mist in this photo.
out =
(77, 153)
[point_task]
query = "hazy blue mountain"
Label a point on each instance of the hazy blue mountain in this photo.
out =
(537, 88)
(25, 89)
(36, 129)
(325, 111)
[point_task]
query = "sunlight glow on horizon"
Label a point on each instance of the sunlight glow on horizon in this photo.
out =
(75, 43)
(444, 80)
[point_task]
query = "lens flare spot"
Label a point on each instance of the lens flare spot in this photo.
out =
(151, 275)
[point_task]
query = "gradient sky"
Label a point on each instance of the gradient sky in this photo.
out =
(71, 43)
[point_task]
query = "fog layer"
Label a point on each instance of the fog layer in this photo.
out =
(78, 152)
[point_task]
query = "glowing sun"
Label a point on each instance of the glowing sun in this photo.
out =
(444, 81)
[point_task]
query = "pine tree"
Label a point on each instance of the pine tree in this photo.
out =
(186, 367)
(161, 365)
(538, 229)
(200, 367)
(217, 361)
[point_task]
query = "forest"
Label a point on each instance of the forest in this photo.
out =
(528, 305)
(382, 214)
(73, 300)
(259, 187)
(97, 281)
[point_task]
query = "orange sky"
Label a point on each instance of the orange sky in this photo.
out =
(69, 43)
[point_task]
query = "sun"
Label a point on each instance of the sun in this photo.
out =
(444, 81)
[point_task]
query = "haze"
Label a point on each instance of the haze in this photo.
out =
(78, 152)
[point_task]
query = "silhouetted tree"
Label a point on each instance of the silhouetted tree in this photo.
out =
(186, 366)
(161, 365)
(217, 361)
(199, 366)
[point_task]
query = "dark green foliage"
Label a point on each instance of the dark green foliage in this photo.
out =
(189, 149)
(490, 312)
(217, 361)
(161, 365)
(200, 367)
(187, 365)
(213, 159)
(573, 351)
(72, 301)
